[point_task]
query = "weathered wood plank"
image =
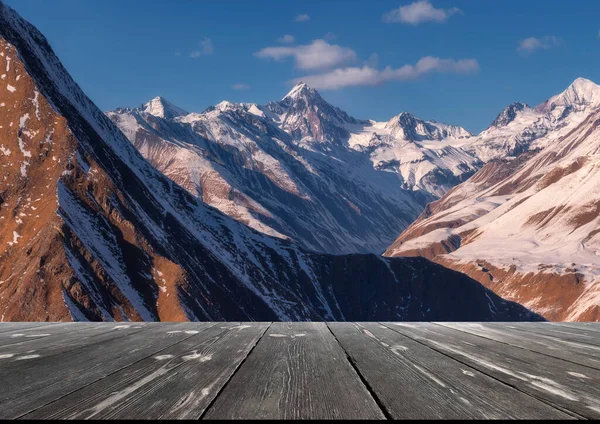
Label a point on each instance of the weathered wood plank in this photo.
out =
(297, 371)
(570, 386)
(56, 341)
(413, 381)
(531, 338)
(579, 326)
(11, 326)
(31, 381)
(22, 340)
(578, 335)
(26, 331)
(177, 382)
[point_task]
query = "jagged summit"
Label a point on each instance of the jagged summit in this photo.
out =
(582, 93)
(406, 126)
(162, 108)
(302, 93)
(301, 89)
(508, 114)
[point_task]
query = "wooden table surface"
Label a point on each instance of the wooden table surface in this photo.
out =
(300, 370)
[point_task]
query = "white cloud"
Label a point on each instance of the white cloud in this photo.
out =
(419, 12)
(367, 75)
(240, 87)
(287, 39)
(317, 55)
(302, 18)
(330, 36)
(531, 44)
(206, 48)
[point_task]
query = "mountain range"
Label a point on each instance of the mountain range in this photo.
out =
(409, 162)
(528, 226)
(90, 230)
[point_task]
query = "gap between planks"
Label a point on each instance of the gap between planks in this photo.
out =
(491, 338)
(541, 399)
(234, 372)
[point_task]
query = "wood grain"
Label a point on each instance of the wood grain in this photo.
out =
(30, 381)
(570, 386)
(178, 382)
(297, 371)
(536, 339)
(415, 382)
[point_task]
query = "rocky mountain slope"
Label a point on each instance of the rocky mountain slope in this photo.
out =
(319, 193)
(528, 227)
(89, 230)
(301, 168)
(305, 170)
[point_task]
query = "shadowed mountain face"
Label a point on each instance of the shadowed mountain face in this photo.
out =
(89, 230)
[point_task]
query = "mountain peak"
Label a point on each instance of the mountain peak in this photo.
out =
(584, 84)
(582, 90)
(508, 114)
(301, 90)
(406, 126)
(162, 108)
(581, 94)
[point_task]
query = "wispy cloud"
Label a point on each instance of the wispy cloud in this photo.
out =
(532, 44)
(206, 48)
(240, 87)
(367, 75)
(373, 61)
(317, 55)
(287, 39)
(330, 36)
(302, 18)
(419, 12)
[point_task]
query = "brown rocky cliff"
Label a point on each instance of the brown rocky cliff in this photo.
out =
(40, 255)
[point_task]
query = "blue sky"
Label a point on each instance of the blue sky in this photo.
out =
(124, 53)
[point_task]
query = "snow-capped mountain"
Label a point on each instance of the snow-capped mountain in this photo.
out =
(89, 230)
(304, 115)
(509, 114)
(528, 227)
(520, 128)
(303, 169)
(237, 158)
(406, 127)
(420, 152)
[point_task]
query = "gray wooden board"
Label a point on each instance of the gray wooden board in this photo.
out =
(58, 341)
(60, 335)
(577, 334)
(17, 331)
(532, 339)
(413, 381)
(178, 382)
(296, 371)
(579, 326)
(30, 382)
(564, 384)
(592, 332)
(11, 326)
